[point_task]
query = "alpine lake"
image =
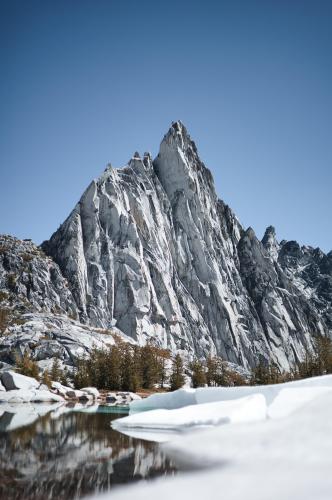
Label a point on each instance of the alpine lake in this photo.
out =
(56, 451)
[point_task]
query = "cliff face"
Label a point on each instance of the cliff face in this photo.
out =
(150, 248)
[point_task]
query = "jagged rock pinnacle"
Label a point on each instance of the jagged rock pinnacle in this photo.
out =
(270, 243)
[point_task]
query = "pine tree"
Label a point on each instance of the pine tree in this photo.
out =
(55, 372)
(177, 376)
(163, 355)
(27, 366)
(130, 379)
(64, 376)
(309, 366)
(198, 376)
(217, 372)
(82, 375)
(150, 366)
(211, 371)
(46, 379)
(113, 369)
(137, 366)
(323, 347)
(260, 374)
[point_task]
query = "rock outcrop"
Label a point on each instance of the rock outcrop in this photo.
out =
(30, 281)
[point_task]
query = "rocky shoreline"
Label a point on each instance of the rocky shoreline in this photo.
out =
(17, 388)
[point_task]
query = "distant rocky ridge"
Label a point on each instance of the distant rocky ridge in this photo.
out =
(151, 250)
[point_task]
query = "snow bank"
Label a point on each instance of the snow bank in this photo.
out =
(290, 399)
(168, 401)
(162, 424)
(250, 408)
(29, 395)
(288, 458)
(208, 394)
(185, 397)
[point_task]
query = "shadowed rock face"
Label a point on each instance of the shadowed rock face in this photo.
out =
(31, 281)
(150, 248)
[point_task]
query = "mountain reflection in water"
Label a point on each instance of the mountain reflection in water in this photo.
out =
(65, 454)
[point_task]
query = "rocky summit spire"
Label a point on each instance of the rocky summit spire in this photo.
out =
(270, 243)
(178, 166)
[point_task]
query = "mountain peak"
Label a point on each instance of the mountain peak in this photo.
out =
(178, 166)
(269, 231)
(178, 135)
(152, 250)
(270, 243)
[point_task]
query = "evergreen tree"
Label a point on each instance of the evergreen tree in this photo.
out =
(234, 379)
(55, 372)
(137, 366)
(211, 371)
(27, 366)
(265, 373)
(113, 369)
(82, 375)
(163, 358)
(260, 374)
(46, 379)
(274, 374)
(130, 372)
(177, 376)
(217, 372)
(198, 376)
(64, 376)
(308, 367)
(150, 366)
(323, 347)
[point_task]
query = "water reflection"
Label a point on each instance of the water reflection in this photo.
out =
(63, 453)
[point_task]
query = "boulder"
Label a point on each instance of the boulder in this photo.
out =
(92, 391)
(111, 397)
(66, 392)
(13, 381)
(134, 396)
(75, 394)
(49, 349)
(45, 396)
(127, 397)
(85, 397)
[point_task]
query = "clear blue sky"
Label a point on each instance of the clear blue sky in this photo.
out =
(88, 82)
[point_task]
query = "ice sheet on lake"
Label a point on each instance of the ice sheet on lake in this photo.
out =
(247, 409)
(287, 455)
(185, 397)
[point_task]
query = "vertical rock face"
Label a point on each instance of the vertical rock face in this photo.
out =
(150, 248)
